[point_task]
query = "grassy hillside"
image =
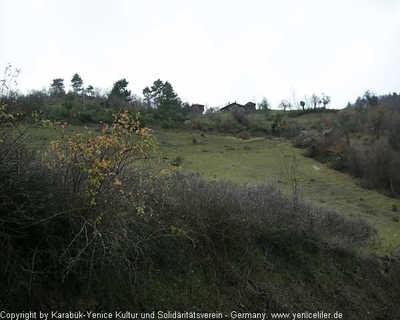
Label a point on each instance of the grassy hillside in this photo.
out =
(175, 241)
(259, 160)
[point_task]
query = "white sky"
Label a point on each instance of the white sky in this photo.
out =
(211, 51)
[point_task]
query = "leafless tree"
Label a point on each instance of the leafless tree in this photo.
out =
(285, 104)
(315, 101)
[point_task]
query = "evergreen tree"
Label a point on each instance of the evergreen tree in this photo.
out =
(147, 98)
(90, 90)
(77, 83)
(163, 97)
(170, 104)
(120, 90)
(57, 88)
(157, 92)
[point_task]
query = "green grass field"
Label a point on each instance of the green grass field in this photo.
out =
(260, 160)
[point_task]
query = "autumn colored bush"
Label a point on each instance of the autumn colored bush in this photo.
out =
(79, 213)
(95, 166)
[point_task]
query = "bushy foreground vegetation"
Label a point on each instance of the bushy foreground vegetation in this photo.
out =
(99, 223)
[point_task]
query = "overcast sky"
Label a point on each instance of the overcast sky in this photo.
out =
(211, 51)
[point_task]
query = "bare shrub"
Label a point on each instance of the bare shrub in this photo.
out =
(381, 166)
(348, 122)
(306, 139)
(202, 123)
(241, 117)
(392, 125)
(228, 123)
(215, 212)
(328, 146)
(244, 135)
(290, 128)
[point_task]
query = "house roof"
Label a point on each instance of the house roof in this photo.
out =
(232, 104)
(238, 105)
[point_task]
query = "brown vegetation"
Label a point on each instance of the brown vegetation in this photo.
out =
(364, 144)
